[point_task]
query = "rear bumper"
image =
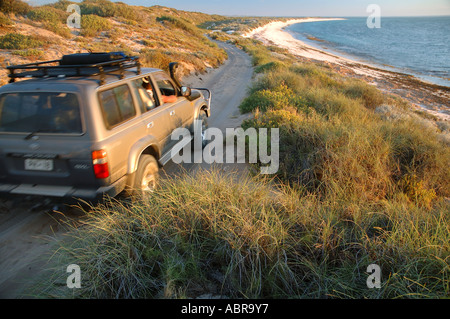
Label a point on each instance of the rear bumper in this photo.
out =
(63, 192)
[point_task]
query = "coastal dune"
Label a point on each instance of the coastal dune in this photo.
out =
(425, 96)
(273, 34)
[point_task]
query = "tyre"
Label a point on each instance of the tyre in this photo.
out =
(147, 176)
(204, 118)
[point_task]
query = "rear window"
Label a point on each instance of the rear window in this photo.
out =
(44, 112)
(117, 105)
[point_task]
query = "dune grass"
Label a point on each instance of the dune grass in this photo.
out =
(213, 233)
(334, 141)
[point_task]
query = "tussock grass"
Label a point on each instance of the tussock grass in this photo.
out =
(212, 232)
(333, 141)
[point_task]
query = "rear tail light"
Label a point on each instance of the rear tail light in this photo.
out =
(100, 161)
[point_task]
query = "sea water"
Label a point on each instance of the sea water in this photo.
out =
(419, 46)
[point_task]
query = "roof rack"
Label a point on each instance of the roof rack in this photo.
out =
(60, 68)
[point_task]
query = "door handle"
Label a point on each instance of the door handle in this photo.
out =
(172, 113)
(150, 125)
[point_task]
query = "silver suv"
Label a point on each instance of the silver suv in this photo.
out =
(91, 124)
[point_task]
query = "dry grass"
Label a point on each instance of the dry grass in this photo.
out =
(247, 238)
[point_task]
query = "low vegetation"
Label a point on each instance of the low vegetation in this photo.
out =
(158, 34)
(210, 233)
(17, 41)
(354, 188)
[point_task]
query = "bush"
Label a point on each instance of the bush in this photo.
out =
(59, 29)
(100, 8)
(14, 6)
(92, 25)
(5, 21)
(278, 98)
(17, 41)
(108, 9)
(46, 14)
(271, 66)
(155, 59)
(179, 23)
(369, 94)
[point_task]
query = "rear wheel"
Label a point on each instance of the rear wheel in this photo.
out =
(146, 176)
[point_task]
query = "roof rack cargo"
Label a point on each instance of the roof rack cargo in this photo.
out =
(78, 64)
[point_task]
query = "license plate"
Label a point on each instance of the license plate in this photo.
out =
(32, 164)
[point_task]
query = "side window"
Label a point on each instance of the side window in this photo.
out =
(168, 91)
(144, 95)
(117, 105)
(166, 87)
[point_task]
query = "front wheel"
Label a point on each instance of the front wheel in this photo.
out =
(147, 176)
(204, 125)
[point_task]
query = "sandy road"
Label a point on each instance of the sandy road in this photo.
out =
(28, 231)
(229, 86)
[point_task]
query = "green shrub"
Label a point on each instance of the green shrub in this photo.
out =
(5, 21)
(29, 53)
(416, 151)
(369, 94)
(155, 59)
(416, 191)
(60, 4)
(179, 23)
(46, 14)
(271, 66)
(278, 98)
(17, 41)
(272, 79)
(108, 9)
(14, 6)
(102, 8)
(59, 29)
(92, 25)
(127, 12)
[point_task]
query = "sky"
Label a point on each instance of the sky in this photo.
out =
(297, 8)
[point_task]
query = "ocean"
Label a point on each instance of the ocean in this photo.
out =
(419, 46)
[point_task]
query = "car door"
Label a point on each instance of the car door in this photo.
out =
(154, 115)
(181, 110)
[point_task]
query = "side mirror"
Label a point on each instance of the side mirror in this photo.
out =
(185, 91)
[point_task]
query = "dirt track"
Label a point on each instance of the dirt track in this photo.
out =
(27, 230)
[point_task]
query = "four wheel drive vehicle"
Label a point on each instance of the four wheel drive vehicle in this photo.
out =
(90, 124)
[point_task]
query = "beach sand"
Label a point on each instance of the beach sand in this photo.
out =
(432, 98)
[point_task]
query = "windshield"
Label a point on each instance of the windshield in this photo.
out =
(44, 112)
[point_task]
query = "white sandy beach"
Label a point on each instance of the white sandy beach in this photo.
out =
(273, 33)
